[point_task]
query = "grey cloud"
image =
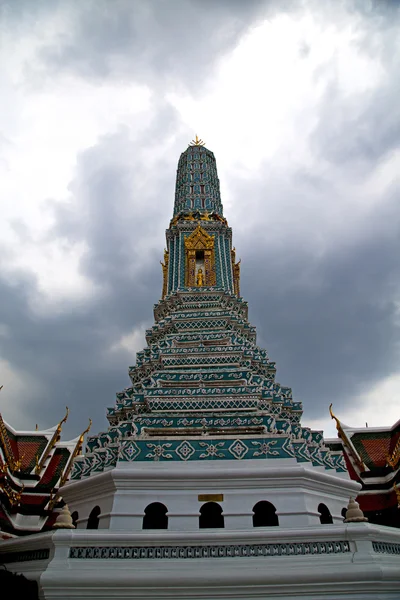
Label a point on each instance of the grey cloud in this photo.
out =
(149, 41)
(364, 130)
(119, 218)
(327, 317)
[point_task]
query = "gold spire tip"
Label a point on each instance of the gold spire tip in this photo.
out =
(197, 142)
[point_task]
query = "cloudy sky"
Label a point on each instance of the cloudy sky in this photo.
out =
(299, 100)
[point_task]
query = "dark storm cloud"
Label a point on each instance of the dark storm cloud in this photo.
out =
(325, 302)
(120, 210)
(361, 130)
(327, 316)
(149, 41)
(334, 340)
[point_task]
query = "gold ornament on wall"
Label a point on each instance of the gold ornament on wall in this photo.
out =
(199, 244)
(235, 272)
(164, 266)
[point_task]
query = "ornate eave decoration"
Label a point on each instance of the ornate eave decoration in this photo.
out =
(63, 479)
(12, 463)
(393, 460)
(236, 272)
(164, 266)
(397, 492)
(56, 436)
(347, 442)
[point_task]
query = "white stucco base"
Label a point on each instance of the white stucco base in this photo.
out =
(354, 561)
(295, 489)
(300, 558)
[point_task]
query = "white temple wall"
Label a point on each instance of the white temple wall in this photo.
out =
(356, 561)
(294, 489)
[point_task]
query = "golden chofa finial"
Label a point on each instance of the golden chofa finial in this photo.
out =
(85, 432)
(196, 142)
(333, 417)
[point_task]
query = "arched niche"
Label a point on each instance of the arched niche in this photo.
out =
(211, 516)
(155, 516)
(264, 515)
(75, 517)
(325, 516)
(94, 518)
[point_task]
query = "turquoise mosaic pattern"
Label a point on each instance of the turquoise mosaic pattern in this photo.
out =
(202, 389)
(197, 183)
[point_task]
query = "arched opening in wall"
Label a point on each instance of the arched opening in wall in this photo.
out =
(325, 516)
(343, 512)
(264, 515)
(155, 516)
(211, 516)
(93, 520)
(75, 517)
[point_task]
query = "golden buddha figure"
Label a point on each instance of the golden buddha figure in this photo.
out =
(200, 277)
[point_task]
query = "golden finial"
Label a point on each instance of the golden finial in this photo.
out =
(346, 440)
(196, 142)
(333, 417)
(63, 420)
(66, 416)
(84, 432)
(56, 437)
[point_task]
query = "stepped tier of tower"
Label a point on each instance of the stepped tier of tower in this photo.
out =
(203, 390)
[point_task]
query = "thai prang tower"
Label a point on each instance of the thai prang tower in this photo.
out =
(206, 485)
(204, 398)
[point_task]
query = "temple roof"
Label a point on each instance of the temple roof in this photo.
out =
(34, 465)
(375, 446)
(372, 456)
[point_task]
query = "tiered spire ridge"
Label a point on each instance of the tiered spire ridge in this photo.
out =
(202, 389)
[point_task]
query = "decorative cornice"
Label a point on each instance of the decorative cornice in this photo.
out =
(210, 551)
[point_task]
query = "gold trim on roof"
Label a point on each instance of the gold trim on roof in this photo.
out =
(56, 436)
(394, 459)
(63, 479)
(14, 497)
(164, 266)
(235, 272)
(397, 492)
(12, 464)
(197, 216)
(346, 441)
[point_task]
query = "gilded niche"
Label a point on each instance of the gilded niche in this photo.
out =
(164, 266)
(199, 259)
(236, 273)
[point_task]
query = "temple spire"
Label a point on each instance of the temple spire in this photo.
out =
(197, 183)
